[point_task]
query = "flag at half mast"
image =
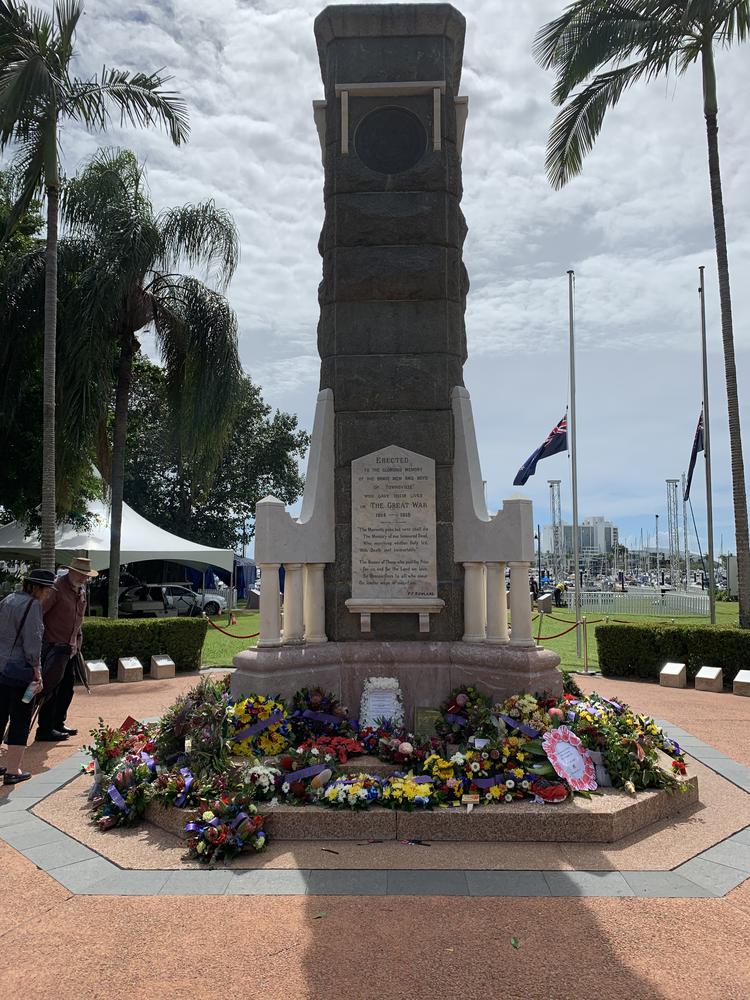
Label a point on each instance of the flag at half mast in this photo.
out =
(698, 445)
(557, 441)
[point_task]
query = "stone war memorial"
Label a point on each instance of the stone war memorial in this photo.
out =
(399, 693)
(395, 567)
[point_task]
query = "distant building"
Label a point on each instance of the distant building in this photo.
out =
(596, 536)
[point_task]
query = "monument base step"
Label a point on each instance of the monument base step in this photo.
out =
(603, 819)
(426, 671)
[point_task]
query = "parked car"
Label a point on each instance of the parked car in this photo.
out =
(166, 600)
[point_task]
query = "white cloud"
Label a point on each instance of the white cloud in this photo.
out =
(635, 225)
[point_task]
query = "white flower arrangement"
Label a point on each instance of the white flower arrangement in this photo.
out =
(377, 693)
(262, 776)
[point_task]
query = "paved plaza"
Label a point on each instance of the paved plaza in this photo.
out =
(300, 927)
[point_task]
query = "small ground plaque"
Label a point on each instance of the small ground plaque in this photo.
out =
(129, 669)
(162, 666)
(97, 672)
(424, 721)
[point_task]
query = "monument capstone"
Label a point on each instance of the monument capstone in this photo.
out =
(394, 565)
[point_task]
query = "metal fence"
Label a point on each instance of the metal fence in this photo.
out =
(670, 604)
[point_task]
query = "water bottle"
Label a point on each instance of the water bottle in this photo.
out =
(30, 692)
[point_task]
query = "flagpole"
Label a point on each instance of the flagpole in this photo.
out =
(707, 457)
(572, 428)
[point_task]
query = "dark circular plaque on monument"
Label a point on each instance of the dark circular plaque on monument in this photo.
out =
(390, 140)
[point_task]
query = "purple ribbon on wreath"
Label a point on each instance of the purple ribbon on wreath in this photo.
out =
(617, 707)
(118, 800)
(422, 779)
(459, 720)
(326, 718)
(238, 819)
(258, 727)
(306, 772)
(148, 760)
(497, 779)
(182, 798)
(520, 726)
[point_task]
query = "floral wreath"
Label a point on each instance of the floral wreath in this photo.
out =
(318, 713)
(258, 726)
(583, 778)
(224, 829)
(353, 791)
(405, 791)
(465, 713)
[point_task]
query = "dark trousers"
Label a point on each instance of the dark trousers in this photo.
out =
(11, 707)
(57, 702)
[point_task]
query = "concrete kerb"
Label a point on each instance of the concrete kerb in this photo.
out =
(710, 875)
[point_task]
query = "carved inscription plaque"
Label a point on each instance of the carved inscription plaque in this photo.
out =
(393, 525)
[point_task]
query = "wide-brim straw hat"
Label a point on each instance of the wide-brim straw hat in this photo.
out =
(40, 578)
(83, 566)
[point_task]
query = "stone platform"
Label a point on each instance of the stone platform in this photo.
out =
(427, 671)
(602, 819)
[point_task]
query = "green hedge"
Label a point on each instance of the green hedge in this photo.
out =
(181, 638)
(642, 650)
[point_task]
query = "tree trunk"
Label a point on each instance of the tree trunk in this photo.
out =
(119, 434)
(727, 336)
(49, 511)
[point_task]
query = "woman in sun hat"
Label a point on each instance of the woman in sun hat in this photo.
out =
(63, 617)
(21, 630)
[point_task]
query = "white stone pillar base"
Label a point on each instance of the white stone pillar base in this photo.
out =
(315, 608)
(520, 605)
(497, 605)
(475, 602)
(294, 626)
(270, 606)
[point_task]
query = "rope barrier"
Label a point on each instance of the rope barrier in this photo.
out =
(230, 634)
(544, 638)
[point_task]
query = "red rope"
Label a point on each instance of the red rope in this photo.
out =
(544, 638)
(231, 636)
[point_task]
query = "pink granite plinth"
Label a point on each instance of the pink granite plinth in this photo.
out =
(426, 671)
(169, 818)
(603, 819)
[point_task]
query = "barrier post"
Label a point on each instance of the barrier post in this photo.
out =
(585, 646)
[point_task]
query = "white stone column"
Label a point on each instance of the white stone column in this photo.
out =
(497, 604)
(315, 605)
(270, 605)
(520, 605)
(294, 625)
(475, 602)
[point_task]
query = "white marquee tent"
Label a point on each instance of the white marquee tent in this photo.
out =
(140, 541)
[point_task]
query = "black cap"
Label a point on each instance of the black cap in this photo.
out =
(41, 578)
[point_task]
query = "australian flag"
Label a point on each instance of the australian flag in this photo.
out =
(698, 445)
(557, 440)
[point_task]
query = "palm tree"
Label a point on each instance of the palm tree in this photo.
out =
(131, 282)
(609, 45)
(38, 95)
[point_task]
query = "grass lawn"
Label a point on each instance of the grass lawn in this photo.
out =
(726, 614)
(219, 649)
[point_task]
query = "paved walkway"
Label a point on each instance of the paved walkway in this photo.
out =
(346, 945)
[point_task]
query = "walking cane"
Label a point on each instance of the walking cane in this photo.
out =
(80, 669)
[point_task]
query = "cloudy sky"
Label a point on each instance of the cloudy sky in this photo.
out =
(635, 226)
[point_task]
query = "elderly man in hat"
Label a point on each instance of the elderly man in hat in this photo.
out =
(63, 616)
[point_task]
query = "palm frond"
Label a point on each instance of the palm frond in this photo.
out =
(28, 167)
(200, 235)
(111, 182)
(67, 15)
(592, 34)
(197, 338)
(140, 98)
(574, 130)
